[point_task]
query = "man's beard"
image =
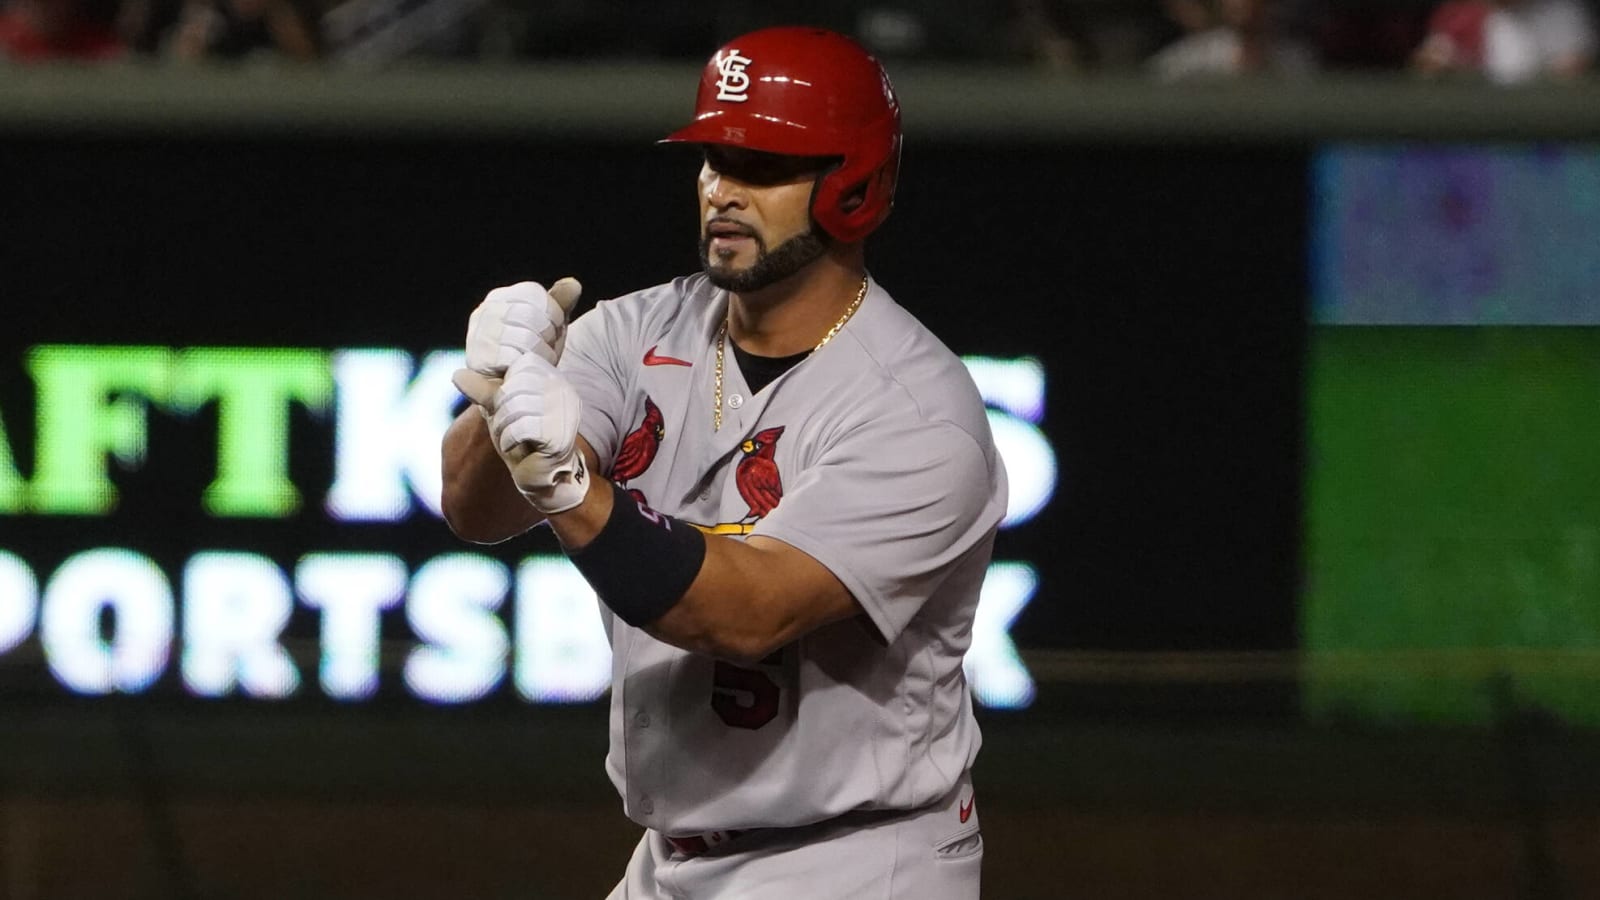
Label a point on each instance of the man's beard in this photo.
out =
(770, 268)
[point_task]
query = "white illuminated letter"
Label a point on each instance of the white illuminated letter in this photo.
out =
(389, 429)
(996, 673)
(352, 590)
(235, 607)
(451, 607)
(1014, 391)
(19, 601)
(1014, 385)
(562, 652)
(139, 599)
(1030, 466)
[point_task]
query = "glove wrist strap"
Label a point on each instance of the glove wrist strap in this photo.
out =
(553, 487)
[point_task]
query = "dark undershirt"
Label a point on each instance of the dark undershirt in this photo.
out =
(760, 371)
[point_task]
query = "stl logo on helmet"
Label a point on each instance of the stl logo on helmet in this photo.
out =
(733, 82)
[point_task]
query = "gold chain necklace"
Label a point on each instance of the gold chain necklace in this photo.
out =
(722, 340)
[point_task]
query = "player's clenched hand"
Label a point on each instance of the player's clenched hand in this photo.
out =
(521, 318)
(533, 420)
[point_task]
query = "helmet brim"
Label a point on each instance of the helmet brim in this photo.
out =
(765, 134)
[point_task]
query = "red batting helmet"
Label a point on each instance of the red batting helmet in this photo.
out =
(807, 92)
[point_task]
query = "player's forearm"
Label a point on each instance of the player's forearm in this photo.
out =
(733, 599)
(479, 499)
(740, 607)
(750, 598)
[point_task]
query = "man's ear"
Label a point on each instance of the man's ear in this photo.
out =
(853, 200)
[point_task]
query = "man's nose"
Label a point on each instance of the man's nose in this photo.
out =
(723, 193)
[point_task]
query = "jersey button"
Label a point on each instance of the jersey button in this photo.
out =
(645, 806)
(642, 720)
(736, 401)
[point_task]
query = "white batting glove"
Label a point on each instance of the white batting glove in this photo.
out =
(533, 419)
(521, 318)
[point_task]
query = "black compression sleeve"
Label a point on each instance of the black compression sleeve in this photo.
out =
(642, 562)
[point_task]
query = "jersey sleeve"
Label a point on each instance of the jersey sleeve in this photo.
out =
(892, 511)
(597, 344)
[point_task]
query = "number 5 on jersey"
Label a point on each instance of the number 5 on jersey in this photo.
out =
(743, 698)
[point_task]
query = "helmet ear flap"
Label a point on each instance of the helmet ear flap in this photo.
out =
(853, 198)
(834, 199)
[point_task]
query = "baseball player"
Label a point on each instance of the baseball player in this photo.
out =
(782, 488)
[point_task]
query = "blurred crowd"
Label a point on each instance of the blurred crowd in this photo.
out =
(1504, 41)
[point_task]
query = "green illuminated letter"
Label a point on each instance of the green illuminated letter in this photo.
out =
(253, 389)
(13, 490)
(91, 403)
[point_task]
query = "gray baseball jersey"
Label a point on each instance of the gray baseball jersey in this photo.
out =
(873, 456)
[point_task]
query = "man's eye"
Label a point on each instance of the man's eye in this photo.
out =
(753, 172)
(760, 170)
(768, 173)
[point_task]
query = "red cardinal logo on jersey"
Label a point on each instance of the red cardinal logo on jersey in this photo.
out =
(639, 448)
(757, 474)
